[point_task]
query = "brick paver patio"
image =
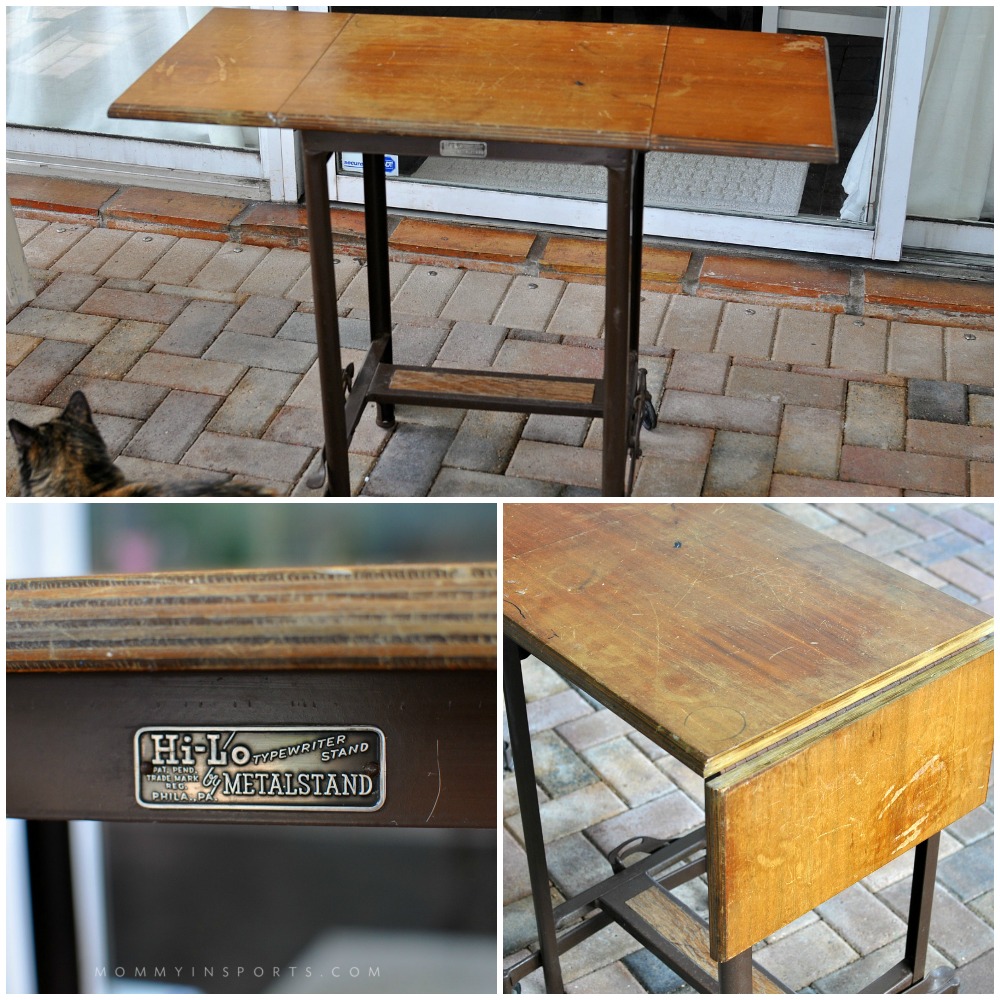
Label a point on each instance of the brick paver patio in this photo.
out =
(190, 329)
(600, 783)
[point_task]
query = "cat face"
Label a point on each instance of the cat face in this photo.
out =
(66, 456)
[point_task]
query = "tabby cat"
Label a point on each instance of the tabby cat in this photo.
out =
(67, 457)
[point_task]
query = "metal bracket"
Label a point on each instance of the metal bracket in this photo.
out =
(637, 845)
(643, 415)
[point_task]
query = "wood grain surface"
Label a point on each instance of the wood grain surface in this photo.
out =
(746, 93)
(523, 386)
(786, 835)
(717, 630)
(235, 67)
(594, 85)
(685, 932)
(487, 78)
(410, 616)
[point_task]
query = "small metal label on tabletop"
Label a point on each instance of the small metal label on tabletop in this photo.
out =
(274, 767)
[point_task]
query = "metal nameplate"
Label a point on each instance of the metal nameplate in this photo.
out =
(469, 150)
(338, 768)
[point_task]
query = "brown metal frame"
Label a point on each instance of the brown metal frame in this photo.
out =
(614, 393)
(605, 902)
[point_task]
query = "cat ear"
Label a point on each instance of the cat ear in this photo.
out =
(22, 434)
(78, 408)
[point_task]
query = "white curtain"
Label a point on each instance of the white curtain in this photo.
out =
(952, 172)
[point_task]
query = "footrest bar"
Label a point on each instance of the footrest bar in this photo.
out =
(568, 939)
(508, 391)
(679, 938)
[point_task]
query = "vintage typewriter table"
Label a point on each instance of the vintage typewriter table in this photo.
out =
(343, 695)
(598, 94)
(839, 712)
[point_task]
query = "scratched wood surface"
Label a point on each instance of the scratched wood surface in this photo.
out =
(718, 630)
(744, 93)
(597, 85)
(494, 79)
(410, 616)
(235, 67)
(786, 835)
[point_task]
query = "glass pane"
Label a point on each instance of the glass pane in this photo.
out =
(65, 66)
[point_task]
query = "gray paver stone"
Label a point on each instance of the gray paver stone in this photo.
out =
(123, 399)
(43, 369)
(266, 460)
(44, 249)
(67, 292)
(194, 330)
(862, 919)
(557, 768)
(228, 268)
(799, 959)
(426, 290)
(663, 817)
(276, 273)
(54, 324)
(261, 316)
(628, 772)
(115, 355)
(261, 352)
(465, 483)
(529, 302)
(485, 441)
(252, 404)
(969, 872)
(575, 864)
(410, 460)
(741, 464)
(477, 297)
(946, 402)
(173, 427)
(136, 256)
(471, 345)
(145, 306)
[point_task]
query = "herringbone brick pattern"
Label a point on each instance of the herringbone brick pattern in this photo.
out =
(755, 398)
(600, 783)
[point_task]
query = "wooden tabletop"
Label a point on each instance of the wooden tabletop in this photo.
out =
(401, 617)
(599, 85)
(718, 630)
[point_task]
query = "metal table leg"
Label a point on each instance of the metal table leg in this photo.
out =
(377, 244)
(736, 975)
(531, 821)
(918, 926)
(331, 376)
(53, 921)
(621, 310)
